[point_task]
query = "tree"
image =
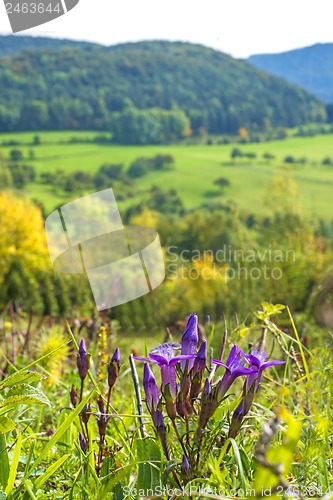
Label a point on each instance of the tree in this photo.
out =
(329, 111)
(22, 235)
(35, 115)
(236, 153)
(222, 182)
(15, 155)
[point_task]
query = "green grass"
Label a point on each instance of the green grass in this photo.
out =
(196, 168)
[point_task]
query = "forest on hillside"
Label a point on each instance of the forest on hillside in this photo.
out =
(147, 92)
(310, 67)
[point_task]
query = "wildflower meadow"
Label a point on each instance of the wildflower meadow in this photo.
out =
(234, 413)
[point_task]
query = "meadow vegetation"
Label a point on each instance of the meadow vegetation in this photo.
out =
(240, 223)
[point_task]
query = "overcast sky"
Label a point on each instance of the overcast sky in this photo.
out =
(237, 27)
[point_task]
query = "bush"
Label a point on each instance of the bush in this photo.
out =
(250, 155)
(22, 174)
(268, 156)
(112, 171)
(139, 167)
(289, 159)
(161, 161)
(327, 161)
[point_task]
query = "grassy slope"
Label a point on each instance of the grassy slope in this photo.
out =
(195, 170)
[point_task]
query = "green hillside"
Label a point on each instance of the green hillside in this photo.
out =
(309, 67)
(147, 92)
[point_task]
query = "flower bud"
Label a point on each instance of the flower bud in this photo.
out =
(83, 442)
(73, 396)
(150, 388)
(102, 419)
(85, 413)
(169, 402)
(113, 368)
(186, 468)
(236, 420)
(189, 341)
(159, 421)
(83, 360)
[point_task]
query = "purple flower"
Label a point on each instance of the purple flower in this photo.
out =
(83, 360)
(234, 368)
(113, 368)
(186, 468)
(167, 362)
(200, 359)
(190, 340)
(159, 421)
(150, 388)
(257, 362)
(206, 319)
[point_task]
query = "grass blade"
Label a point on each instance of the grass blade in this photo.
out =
(49, 471)
(14, 465)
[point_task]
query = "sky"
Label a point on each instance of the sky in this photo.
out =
(237, 27)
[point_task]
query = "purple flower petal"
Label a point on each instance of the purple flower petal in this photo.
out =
(271, 363)
(190, 339)
(139, 358)
(181, 357)
(150, 388)
(161, 360)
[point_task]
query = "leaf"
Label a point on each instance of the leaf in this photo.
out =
(24, 394)
(4, 462)
(168, 471)
(148, 473)
(6, 425)
(25, 376)
(239, 464)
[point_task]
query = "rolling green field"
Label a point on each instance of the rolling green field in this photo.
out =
(196, 168)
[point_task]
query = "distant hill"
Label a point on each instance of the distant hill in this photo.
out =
(310, 67)
(142, 92)
(9, 44)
